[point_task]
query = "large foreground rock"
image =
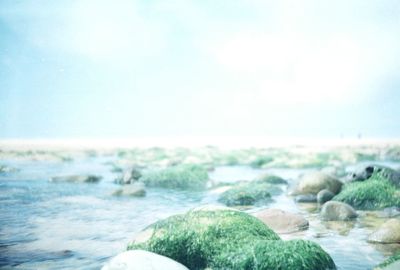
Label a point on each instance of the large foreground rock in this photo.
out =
(337, 211)
(387, 233)
(142, 260)
(281, 221)
(76, 179)
(314, 182)
(228, 239)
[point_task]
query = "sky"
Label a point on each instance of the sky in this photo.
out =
(119, 69)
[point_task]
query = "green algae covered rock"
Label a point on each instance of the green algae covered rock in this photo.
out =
(185, 176)
(228, 239)
(372, 194)
(392, 263)
(248, 193)
(271, 179)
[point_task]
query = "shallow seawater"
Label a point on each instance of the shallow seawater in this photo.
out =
(45, 225)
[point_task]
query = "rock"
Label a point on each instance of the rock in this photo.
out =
(324, 195)
(309, 198)
(227, 239)
(5, 169)
(271, 179)
(76, 179)
(134, 190)
(335, 171)
(392, 263)
(248, 193)
(365, 172)
(142, 260)
(387, 233)
(337, 211)
(184, 176)
(281, 221)
(314, 182)
(372, 194)
(130, 176)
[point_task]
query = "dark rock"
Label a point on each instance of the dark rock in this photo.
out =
(324, 195)
(76, 179)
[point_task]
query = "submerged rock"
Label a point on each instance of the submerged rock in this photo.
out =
(392, 263)
(314, 182)
(184, 176)
(142, 260)
(134, 190)
(228, 239)
(76, 179)
(248, 193)
(387, 233)
(324, 195)
(309, 198)
(372, 194)
(337, 211)
(281, 221)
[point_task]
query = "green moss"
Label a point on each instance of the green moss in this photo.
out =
(179, 177)
(388, 261)
(374, 193)
(248, 193)
(261, 161)
(227, 239)
(271, 179)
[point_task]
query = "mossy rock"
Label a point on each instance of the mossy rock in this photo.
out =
(271, 179)
(372, 194)
(259, 162)
(228, 239)
(248, 193)
(391, 263)
(366, 172)
(185, 176)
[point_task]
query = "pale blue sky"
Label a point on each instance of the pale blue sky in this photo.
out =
(108, 69)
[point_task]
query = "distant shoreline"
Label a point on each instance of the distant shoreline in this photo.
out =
(171, 142)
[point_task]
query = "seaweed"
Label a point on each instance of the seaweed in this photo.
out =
(186, 176)
(229, 239)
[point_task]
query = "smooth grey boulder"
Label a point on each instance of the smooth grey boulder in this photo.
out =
(324, 196)
(314, 182)
(337, 211)
(281, 221)
(142, 260)
(387, 233)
